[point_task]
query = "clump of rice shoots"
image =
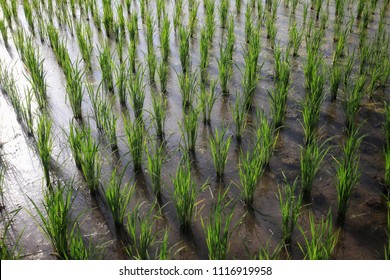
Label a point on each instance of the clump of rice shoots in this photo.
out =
(348, 172)
(118, 197)
(135, 134)
(189, 129)
(136, 88)
(323, 239)
(155, 161)
(184, 48)
(290, 205)
(219, 147)
(219, 227)
(106, 67)
(188, 86)
(84, 39)
(45, 145)
(239, 113)
(206, 99)
(159, 114)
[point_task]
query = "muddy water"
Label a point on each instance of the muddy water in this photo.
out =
(363, 236)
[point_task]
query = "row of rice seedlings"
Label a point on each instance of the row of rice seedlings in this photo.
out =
(140, 227)
(210, 21)
(106, 67)
(28, 12)
(296, 36)
(290, 205)
(239, 113)
(184, 48)
(9, 251)
(57, 224)
(193, 19)
(165, 32)
(37, 76)
(135, 134)
(207, 100)
(311, 158)
(348, 172)
(84, 39)
(177, 13)
(4, 32)
(45, 145)
(185, 194)
(188, 86)
(223, 12)
(159, 115)
(252, 69)
(323, 239)
(352, 101)
(118, 197)
(313, 101)
(136, 88)
(219, 227)
(155, 161)
(74, 87)
(387, 147)
(278, 96)
(189, 128)
(90, 160)
(219, 147)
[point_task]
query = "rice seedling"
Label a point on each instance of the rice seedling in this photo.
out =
(7, 13)
(225, 67)
(219, 228)
(121, 20)
(159, 115)
(74, 88)
(45, 145)
(155, 162)
(139, 226)
(135, 134)
(177, 13)
(238, 6)
(223, 12)
(9, 251)
(265, 139)
(278, 101)
(210, 22)
(204, 54)
(387, 146)
(251, 168)
(56, 217)
(193, 17)
(164, 39)
(290, 205)
(84, 39)
(151, 57)
(109, 125)
(323, 239)
(341, 40)
(98, 106)
(75, 139)
(348, 172)
(90, 160)
(118, 197)
(348, 68)
(296, 37)
(4, 33)
(335, 80)
(265, 252)
(189, 128)
(136, 89)
(219, 148)
(311, 158)
(239, 114)
(352, 101)
(121, 73)
(36, 73)
(161, 10)
(162, 71)
(108, 17)
(207, 100)
(360, 8)
(106, 67)
(28, 12)
(188, 87)
(185, 194)
(27, 113)
(184, 48)
(271, 30)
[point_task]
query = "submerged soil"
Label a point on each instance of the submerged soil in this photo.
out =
(362, 237)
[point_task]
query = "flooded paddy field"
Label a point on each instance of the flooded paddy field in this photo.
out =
(143, 181)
